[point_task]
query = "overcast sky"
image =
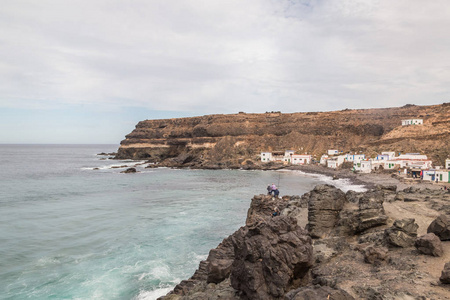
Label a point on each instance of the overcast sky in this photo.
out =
(86, 71)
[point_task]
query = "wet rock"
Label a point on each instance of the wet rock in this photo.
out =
(441, 227)
(429, 244)
(269, 256)
(129, 170)
(445, 275)
(318, 292)
(402, 234)
(324, 205)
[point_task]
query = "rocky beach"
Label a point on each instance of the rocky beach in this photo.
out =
(391, 242)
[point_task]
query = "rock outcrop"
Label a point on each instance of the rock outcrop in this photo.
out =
(269, 257)
(353, 254)
(402, 234)
(445, 276)
(441, 227)
(235, 141)
(429, 244)
(324, 205)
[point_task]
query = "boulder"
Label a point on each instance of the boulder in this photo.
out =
(324, 205)
(371, 211)
(429, 244)
(445, 275)
(318, 292)
(269, 256)
(441, 227)
(402, 234)
(374, 255)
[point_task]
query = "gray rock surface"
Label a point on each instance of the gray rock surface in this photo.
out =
(269, 256)
(429, 244)
(318, 292)
(440, 227)
(402, 234)
(324, 205)
(445, 276)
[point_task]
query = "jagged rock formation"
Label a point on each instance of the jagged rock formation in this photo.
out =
(235, 141)
(272, 257)
(441, 227)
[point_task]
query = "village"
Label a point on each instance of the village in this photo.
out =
(410, 165)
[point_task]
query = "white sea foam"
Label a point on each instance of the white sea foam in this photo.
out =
(344, 184)
(152, 295)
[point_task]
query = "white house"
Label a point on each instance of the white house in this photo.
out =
(355, 157)
(364, 166)
(413, 160)
(323, 159)
(412, 122)
(447, 163)
(383, 157)
(429, 175)
(288, 156)
(266, 156)
(391, 154)
(333, 152)
(443, 175)
(336, 161)
(301, 159)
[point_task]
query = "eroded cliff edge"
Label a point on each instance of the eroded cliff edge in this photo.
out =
(236, 140)
(371, 245)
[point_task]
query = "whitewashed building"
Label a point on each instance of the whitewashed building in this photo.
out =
(412, 160)
(301, 159)
(336, 161)
(355, 157)
(412, 122)
(333, 152)
(323, 159)
(447, 163)
(436, 175)
(364, 166)
(266, 156)
(390, 154)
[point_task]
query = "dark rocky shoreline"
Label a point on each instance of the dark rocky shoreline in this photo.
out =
(353, 246)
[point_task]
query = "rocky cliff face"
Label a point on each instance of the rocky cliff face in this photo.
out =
(227, 141)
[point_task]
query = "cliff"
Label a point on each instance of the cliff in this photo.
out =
(236, 140)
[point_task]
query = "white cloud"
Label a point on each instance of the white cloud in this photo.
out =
(224, 56)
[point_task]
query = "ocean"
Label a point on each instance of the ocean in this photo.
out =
(68, 231)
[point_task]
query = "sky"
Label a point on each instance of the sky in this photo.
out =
(86, 71)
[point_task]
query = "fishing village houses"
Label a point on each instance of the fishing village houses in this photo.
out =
(413, 165)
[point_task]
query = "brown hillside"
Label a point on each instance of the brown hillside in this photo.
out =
(228, 140)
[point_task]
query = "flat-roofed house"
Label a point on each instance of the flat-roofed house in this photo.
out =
(412, 122)
(301, 159)
(266, 156)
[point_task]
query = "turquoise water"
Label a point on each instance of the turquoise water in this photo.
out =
(70, 232)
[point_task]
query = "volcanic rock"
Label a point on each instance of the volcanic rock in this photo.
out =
(374, 254)
(402, 234)
(445, 276)
(429, 244)
(269, 256)
(324, 205)
(318, 292)
(441, 227)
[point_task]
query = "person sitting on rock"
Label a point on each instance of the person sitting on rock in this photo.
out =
(269, 189)
(276, 192)
(273, 188)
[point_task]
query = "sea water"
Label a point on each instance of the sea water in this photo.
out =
(73, 227)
